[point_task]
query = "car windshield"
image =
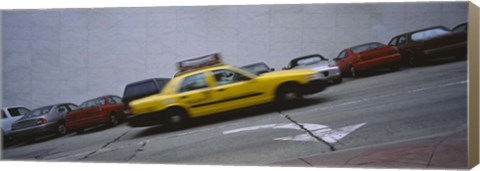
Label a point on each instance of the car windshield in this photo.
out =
(365, 47)
(428, 34)
(256, 68)
(38, 112)
(94, 102)
(306, 61)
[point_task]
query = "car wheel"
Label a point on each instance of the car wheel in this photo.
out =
(461, 57)
(29, 140)
(286, 94)
(80, 131)
(177, 118)
(414, 61)
(354, 72)
(395, 67)
(113, 120)
(337, 80)
(61, 129)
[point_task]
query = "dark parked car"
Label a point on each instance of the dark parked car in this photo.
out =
(101, 110)
(143, 88)
(460, 28)
(42, 121)
(421, 45)
(258, 68)
(360, 58)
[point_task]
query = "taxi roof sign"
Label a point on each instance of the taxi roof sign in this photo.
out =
(197, 63)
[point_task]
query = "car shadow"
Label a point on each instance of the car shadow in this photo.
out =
(438, 61)
(16, 143)
(98, 128)
(377, 72)
(230, 116)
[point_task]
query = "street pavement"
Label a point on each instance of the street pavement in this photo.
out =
(383, 117)
(440, 152)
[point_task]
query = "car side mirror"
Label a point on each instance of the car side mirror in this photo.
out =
(272, 69)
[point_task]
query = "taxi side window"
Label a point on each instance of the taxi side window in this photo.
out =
(193, 82)
(224, 76)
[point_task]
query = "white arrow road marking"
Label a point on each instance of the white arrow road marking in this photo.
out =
(327, 134)
(322, 131)
(308, 126)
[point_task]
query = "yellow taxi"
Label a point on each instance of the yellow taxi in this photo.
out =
(205, 85)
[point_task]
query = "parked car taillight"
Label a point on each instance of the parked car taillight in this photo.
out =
(41, 121)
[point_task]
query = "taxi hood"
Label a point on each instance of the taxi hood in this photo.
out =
(149, 99)
(288, 73)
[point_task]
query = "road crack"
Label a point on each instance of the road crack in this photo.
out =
(434, 149)
(104, 146)
(332, 148)
(140, 149)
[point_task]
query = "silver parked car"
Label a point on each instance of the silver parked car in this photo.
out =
(258, 68)
(318, 63)
(9, 115)
(42, 121)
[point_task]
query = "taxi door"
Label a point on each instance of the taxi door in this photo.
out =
(234, 90)
(195, 93)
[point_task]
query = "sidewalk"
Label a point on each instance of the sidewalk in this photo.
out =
(448, 152)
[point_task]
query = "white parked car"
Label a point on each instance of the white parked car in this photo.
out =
(318, 63)
(10, 115)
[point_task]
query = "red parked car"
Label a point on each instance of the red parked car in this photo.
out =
(358, 59)
(101, 110)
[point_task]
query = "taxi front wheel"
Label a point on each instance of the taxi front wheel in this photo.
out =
(287, 94)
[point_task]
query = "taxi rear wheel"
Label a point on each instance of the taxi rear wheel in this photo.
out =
(177, 118)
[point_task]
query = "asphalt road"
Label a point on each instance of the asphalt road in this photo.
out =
(382, 107)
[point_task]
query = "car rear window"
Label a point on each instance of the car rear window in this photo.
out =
(256, 68)
(306, 61)
(427, 34)
(18, 111)
(460, 28)
(38, 112)
(140, 89)
(94, 102)
(311, 60)
(365, 47)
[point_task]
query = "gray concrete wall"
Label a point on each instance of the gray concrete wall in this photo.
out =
(72, 55)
